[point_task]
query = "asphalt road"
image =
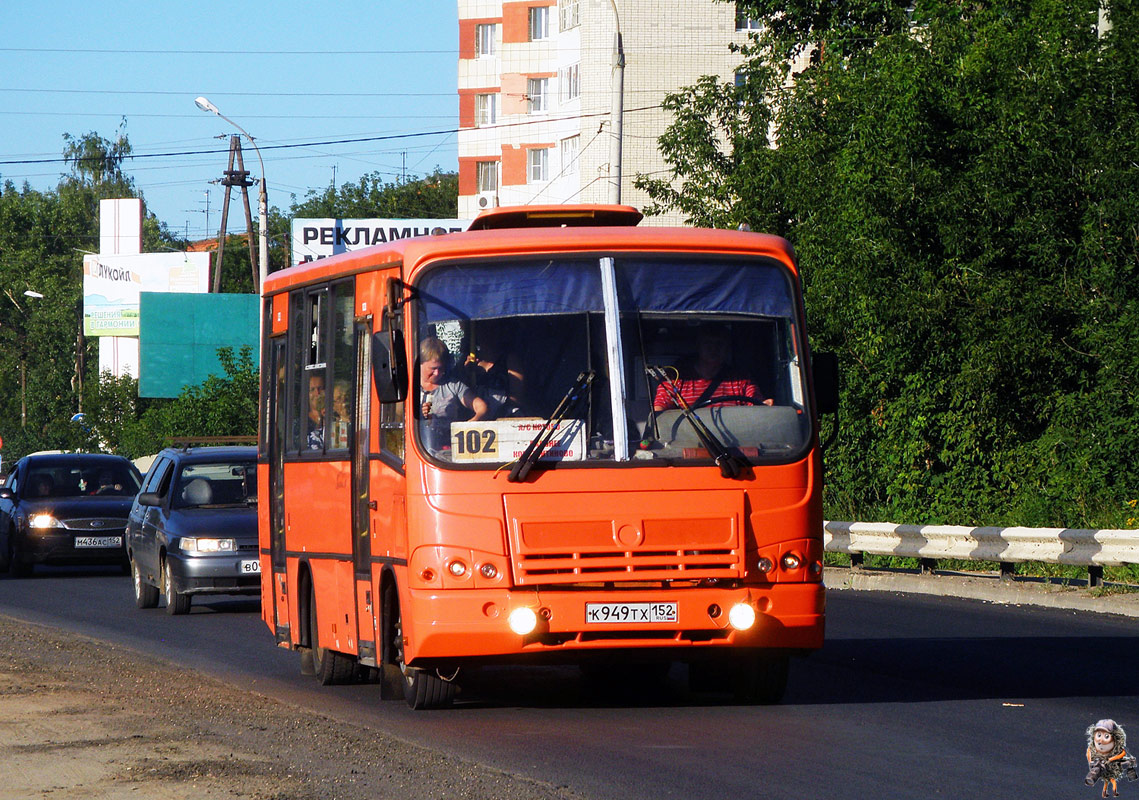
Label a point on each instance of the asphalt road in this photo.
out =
(912, 696)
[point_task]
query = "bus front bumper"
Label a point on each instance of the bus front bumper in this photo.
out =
(472, 624)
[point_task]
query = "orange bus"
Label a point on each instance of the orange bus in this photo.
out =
(554, 437)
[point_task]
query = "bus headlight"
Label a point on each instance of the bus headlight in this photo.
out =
(44, 521)
(522, 621)
(741, 616)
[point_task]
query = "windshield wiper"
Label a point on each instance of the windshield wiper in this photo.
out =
(730, 464)
(538, 444)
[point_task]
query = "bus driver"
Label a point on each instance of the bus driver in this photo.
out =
(442, 398)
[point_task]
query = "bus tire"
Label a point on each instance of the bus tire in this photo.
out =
(145, 595)
(422, 689)
(330, 667)
(760, 679)
(177, 603)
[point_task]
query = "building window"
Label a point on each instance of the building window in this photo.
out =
(538, 159)
(568, 13)
(486, 174)
(569, 83)
(485, 36)
(746, 23)
(570, 147)
(486, 109)
(539, 23)
(537, 93)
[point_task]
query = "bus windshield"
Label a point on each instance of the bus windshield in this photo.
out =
(667, 344)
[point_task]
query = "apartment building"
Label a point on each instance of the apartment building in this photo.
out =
(536, 93)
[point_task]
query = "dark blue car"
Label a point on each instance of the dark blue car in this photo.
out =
(193, 527)
(65, 508)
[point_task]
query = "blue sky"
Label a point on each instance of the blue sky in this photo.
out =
(297, 76)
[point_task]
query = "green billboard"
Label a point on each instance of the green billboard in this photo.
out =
(180, 333)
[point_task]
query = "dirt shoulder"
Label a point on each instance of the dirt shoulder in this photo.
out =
(82, 720)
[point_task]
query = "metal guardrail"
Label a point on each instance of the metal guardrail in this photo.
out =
(1093, 549)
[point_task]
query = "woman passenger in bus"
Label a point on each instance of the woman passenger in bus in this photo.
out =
(496, 376)
(710, 379)
(443, 399)
(315, 434)
(339, 415)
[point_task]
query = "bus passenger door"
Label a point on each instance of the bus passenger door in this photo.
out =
(361, 497)
(276, 499)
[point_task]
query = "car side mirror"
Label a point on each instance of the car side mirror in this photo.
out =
(389, 365)
(150, 499)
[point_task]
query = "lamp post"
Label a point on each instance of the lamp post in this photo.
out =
(262, 201)
(616, 111)
(22, 340)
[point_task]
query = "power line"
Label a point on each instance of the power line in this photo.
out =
(355, 140)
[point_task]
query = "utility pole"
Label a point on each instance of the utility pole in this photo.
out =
(235, 177)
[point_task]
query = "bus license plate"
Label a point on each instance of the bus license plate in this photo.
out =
(252, 567)
(629, 612)
(98, 541)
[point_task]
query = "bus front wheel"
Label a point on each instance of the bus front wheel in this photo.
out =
(760, 679)
(421, 688)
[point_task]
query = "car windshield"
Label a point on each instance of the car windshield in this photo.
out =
(78, 479)
(223, 483)
(650, 340)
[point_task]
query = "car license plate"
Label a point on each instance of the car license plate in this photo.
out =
(98, 541)
(629, 612)
(251, 567)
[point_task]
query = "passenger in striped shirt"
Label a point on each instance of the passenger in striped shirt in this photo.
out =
(711, 365)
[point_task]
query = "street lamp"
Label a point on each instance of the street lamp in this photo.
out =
(616, 111)
(22, 344)
(262, 202)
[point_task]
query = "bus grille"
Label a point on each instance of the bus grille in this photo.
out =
(629, 565)
(625, 538)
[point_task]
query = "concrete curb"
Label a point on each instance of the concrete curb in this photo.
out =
(1022, 592)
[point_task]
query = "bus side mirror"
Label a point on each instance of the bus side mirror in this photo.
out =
(389, 366)
(826, 382)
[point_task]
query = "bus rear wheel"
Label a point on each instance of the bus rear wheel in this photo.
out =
(422, 689)
(330, 667)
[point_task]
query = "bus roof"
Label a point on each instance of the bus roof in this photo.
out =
(536, 229)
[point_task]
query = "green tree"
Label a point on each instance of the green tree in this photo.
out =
(960, 185)
(224, 405)
(43, 235)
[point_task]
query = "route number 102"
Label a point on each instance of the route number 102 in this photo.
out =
(476, 443)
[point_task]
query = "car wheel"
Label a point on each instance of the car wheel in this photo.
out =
(422, 689)
(145, 595)
(176, 602)
(329, 666)
(16, 566)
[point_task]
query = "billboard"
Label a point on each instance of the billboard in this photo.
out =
(320, 238)
(112, 284)
(181, 334)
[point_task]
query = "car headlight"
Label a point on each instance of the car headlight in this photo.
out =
(44, 521)
(198, 544)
